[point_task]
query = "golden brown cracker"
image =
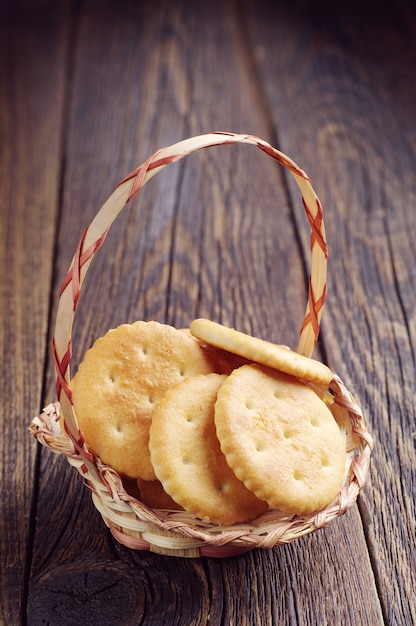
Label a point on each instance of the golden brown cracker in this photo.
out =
(119, 382)
(280, 439)
(187, 458)
(260, 351)
(154, 496)
(223, 361)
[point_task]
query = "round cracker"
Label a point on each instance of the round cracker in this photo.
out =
(187, 458)
(280, 439)
(119, 382)
(278, 357)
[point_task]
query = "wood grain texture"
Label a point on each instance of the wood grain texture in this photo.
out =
(194, 248)
(357, 139)
(32, 58)
(88, 91)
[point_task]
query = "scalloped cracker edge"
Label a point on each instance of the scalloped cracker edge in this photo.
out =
(260, 351)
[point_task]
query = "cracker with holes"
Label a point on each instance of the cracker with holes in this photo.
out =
(261, 351)
(119, 382)
(187, 458)
(280, 439)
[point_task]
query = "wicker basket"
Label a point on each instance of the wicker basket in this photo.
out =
(172, 532)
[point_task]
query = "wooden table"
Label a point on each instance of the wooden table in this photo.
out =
(88, 91)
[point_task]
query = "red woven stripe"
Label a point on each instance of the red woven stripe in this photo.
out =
(79, 445)
(316, 226)
(314, 307)
(267, 149)
(61, 368)
(76, 272)
(73, 276)
(131, 542)
(81, 258)
(153, 162)
(281, 159)
(140, 173)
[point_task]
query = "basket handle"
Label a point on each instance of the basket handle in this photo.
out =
(94, 236)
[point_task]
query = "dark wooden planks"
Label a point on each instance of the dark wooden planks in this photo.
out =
(202, 243)
(197, 246)
(143, 77)
(352, 84)
(32, 59)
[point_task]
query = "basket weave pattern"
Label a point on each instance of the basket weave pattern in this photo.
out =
(176, 532)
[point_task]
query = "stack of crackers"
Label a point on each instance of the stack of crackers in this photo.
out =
(211, 421)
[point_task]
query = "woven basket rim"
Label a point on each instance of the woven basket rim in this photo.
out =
(130, 521)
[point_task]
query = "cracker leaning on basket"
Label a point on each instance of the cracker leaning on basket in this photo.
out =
(260, 351)
(288, 438)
